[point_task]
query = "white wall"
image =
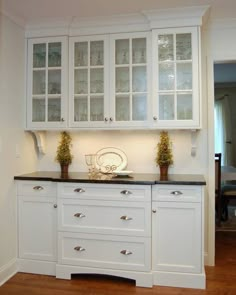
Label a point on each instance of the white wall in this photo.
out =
(12, 136)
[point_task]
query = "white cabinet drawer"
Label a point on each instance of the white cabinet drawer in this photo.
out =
(105, 191)
(176, 193)
(105, 217)
(105, 251)
(36, 188)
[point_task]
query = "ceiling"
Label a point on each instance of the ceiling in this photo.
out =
(28, 11)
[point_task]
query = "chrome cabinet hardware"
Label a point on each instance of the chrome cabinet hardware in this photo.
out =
(176, 193)
(55, 205)
(154, 118)
(62, 119)
(79, 249)
(38, 188)
(126, 252)
(105, 119)
(154, 211)
(126, 192)
(124, 217)
(111, 119)
(79, 215)
(79, 190)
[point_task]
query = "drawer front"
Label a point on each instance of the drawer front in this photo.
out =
(177, 193)
(36, 188)
(105, 191)
(105, 217)
(105, 251)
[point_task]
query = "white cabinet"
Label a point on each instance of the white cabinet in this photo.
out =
(177, 236)
(176, 89)
(47, 83)
(109, 80)
(105, 229)
(37, 227)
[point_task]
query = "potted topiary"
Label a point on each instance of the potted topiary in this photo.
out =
(64, 156)
(164, 156)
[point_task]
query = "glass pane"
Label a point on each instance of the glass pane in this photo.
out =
(184, 107)
(122, 108)
(166, 107)
(96, 81)
(81, 54)
(139, 107)
(183, 46)
(81, 81)
(166, 76)
(39, 82)
(39, 55)
(122, 79)
(54, 82)
(54, 54)
(184, 76)
(54, 109)
(122, 51)
(38, 110)
(81, 109)
(165, 47)
(96, 53)
(96, 108)
(139, 50)
(139, 83)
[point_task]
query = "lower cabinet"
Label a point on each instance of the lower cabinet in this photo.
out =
(177, 236)
(37, 227)
(151, 234)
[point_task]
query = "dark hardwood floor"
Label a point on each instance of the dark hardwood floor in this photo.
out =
(221, 279)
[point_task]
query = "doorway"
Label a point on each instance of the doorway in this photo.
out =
(225, 128)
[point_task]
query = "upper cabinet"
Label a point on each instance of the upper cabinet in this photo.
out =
(176, 78)
(47, 83)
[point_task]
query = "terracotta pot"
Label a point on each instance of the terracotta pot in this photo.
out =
(64, 168)
(164, 172)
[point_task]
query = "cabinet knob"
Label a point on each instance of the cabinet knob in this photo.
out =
(126, 252)
(124, 217)
(79, 215)
(154, 211)
(126, 192)
(154, 118)
(105, 119)
(38, 188)
(62, 120)
(55, 205)
(79, 249)
(176, 193)
(79, 190)
(111, 119)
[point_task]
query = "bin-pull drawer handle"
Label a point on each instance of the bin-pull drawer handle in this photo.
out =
(124, 217)
(79, 190)
(126, 252)
(79, 249)
(176, 193)
(126, 192)
(38, 188)
(79, 215)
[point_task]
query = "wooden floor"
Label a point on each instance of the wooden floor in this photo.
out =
(221, 279)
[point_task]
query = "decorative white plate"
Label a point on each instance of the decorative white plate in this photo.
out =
(122, 172)
(110, 159)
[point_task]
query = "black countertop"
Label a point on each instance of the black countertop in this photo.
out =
(144, 178)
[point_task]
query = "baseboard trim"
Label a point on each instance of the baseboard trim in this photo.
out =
(8, 271)
(37, 267)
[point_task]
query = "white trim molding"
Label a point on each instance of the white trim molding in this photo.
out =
(8, 270)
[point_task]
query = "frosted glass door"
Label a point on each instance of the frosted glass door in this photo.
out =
(88, 79)
(130, 79)
(45, 82)
(176, 77)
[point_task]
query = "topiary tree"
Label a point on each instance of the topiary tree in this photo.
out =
(64, 156)
(164, 155)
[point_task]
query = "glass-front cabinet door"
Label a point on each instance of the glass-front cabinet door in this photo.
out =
(176, 78)
(47, 86)
(129, 80)
(88, 81)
